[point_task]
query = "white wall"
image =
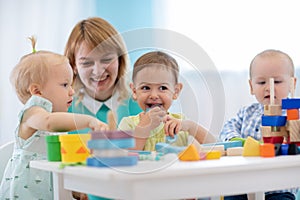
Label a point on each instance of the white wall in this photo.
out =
(51, 22)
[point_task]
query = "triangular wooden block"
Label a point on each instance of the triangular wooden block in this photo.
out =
(189, 154)
(251, 147)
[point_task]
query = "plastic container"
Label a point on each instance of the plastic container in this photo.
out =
(53, 148)
(74, 147)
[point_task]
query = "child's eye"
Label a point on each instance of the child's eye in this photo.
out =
(163, 88)
(145, 88)
(277, 82)
(261, 82)
(86, 64)
(65, 85)
(107, 60)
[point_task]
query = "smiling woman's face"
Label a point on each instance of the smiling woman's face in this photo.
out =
(97, 70)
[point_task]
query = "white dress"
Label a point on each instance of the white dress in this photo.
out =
(20, 182)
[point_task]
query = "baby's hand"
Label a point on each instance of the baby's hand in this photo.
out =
(172, 126)
(97, 125)
(152, 118)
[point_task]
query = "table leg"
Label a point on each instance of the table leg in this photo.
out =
(58, 188)
(256, 196)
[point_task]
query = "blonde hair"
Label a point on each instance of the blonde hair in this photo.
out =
(158, 58)
(33, 68)
(95, 32)
(273, 53)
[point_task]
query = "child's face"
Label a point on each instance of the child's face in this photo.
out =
(58, 87)
(97, 71)
(155, 86)
(265, 68)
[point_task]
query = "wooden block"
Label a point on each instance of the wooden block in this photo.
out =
(227, 145)
(267, 150)
(292, 114)
(290, 103)
(273, 140)
(293, 127)
(284, 148)
(213, 148)
(251, 147)
(235, 151)
(273, 120)
(273, 131)
(277, 148)
(213, 155)
(189, 154)
(293, 149)
(272, 110)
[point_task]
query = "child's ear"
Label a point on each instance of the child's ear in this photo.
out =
(178, 88)
(251, 88)
(35, 89)
(133, 91)
(293, 84)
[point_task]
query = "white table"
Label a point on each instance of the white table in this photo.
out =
(174, 180)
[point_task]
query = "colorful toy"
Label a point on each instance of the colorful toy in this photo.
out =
(278, 129)
(53, 148)
(267, 150)
(251, 147)
(189, 154)
(235, 151)
(74, 148)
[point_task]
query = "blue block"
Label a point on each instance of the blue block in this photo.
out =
(290, 104)
(167, 148)
(284, 149)
(112, 161)
(229, 144)
(141, 152)
(111, 144)
(273, 120)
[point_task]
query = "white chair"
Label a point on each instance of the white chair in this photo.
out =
(6, 151)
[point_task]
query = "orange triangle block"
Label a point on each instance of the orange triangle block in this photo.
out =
(62, 150)
(189, 154)
(81, 150)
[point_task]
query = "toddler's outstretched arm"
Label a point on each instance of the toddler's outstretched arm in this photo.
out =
(173, 126)
(36, 118)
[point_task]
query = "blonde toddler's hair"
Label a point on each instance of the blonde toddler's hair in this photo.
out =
(33, 68)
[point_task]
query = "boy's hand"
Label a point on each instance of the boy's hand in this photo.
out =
(152, 118)
(97, 125)
(172, 126)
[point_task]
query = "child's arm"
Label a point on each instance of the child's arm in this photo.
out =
(233, 127)
(173, 126)
(36, 118)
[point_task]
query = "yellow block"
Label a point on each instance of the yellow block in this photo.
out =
(213, 155)
(74, 147)
(251, 147)
(189, 154)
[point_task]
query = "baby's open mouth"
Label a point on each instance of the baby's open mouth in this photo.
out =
(150, 105)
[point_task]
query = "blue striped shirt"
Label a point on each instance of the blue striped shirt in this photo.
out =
(246, 123)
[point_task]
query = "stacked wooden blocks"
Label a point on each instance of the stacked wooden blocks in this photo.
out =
(109, 149)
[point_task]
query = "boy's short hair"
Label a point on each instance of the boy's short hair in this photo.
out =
(157, 58)
(34, 68)
(272, 53)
